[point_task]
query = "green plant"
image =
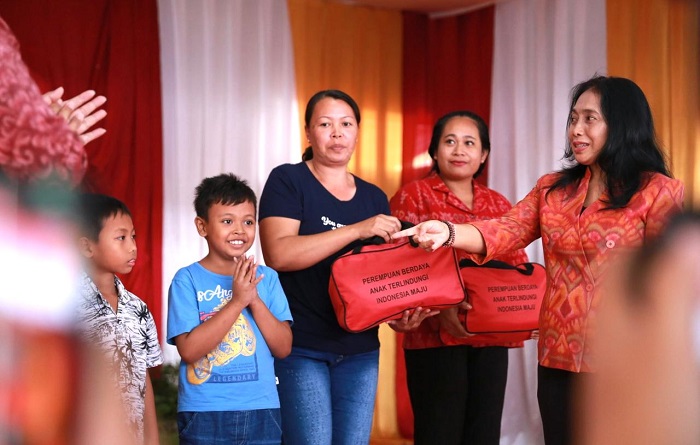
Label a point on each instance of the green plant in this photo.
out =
(164, 380)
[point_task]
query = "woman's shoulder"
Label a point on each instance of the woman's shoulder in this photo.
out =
(7, 38)
(412, 188)
(421, 184)
(289, 174)
(548, 179)
(288, 169)
(656, 183)
(655, 178)
(367, 187)
(491, 193)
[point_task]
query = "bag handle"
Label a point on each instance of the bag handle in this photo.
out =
(524, 268)
(377, 240)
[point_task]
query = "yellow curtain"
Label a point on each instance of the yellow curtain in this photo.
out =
(656, 43)
(358, 50)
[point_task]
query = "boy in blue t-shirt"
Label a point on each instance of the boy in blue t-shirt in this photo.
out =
(228, 323)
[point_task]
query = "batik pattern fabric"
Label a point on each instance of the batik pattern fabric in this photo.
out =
(34, 142)
(430, 198)
(579, 245)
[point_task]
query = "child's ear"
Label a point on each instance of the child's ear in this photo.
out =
(201, 226)
(85, 247)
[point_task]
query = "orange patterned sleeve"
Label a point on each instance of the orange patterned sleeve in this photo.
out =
(666, 197)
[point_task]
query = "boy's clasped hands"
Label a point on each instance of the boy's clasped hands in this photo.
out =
(245, 280)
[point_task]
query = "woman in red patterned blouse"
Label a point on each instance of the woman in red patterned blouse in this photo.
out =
(456, 382)
(57, 393)
(41, 136)
(615, 193)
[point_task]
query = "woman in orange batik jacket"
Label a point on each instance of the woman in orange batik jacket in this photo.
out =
(615, 193)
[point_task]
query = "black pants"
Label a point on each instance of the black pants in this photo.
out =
(555, 389)
(457, 394)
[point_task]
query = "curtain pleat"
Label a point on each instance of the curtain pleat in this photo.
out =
(234, 87)
(229, 105)
(542, 48)
(446, 67)
(109, 47)
(358, 50)
(656, 43)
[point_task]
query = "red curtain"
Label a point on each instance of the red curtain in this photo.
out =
(110, 46)
(446, 67)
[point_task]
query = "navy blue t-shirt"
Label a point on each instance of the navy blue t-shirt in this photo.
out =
(292, 191)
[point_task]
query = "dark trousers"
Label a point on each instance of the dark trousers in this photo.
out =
(457, 394)
(555, 389)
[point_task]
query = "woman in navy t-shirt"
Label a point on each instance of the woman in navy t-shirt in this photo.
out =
(310, 212)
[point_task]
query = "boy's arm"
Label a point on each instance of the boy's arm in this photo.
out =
(277, 334)
(150, 420)
(202, 339)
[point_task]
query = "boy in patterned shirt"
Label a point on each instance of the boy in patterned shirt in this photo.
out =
(113, 319)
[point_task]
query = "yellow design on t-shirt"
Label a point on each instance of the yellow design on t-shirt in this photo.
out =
(239, 340)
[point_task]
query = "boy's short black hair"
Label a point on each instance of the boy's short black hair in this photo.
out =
(94, 209)
(225, 189)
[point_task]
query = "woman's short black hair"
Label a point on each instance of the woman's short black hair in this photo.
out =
(439, 128)
(311, 105)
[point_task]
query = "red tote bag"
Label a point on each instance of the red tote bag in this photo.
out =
(376, 283)
(505, 299)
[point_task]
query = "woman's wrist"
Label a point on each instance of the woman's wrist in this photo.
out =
(451, 235)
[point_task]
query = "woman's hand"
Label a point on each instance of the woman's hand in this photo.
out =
(429, 234)
(411, 319)
(449, 321)
(80, 112)
(381, 225)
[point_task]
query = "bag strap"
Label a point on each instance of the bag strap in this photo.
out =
(377, 240)
(524, 268)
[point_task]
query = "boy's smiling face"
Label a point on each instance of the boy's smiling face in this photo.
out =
(229, 231)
